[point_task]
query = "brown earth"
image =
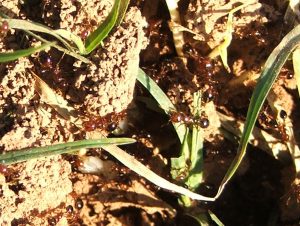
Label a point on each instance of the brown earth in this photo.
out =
(52, 190)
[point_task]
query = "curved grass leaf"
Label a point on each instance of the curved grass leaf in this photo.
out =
(114, 18)
(133, 164)
(215, 218)
(122, 11)
(33, 26)
(195, 176)
(270, 72)
(56, 149)
(71, 38)
(66, 51)
(296, 65)
(10, 56)
(162, 99)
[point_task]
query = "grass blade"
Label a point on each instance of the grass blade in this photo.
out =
(296, 65)
(122, 11)
(66, 51)
(270, 72)
(215, 218)
(10, 56)
(133, 164)
(195, 175)
(162, 100)
(56, 149)
(200, 218)
(95, 38)
(179, 164)
(71, 38)
(33, 26)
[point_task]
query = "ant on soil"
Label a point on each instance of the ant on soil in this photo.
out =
(281, 128)
(4, 28)
(197, 63)
(109, 122)
(271, 123)
(180, 117)
(286, 73)
(88, 28)
(48, 68)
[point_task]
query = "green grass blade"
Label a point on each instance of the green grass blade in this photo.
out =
(215, 218)
(95, 38)
(33, 26)
(32, 153)
(71, 38)
(162, 99)
(179, 164)
(60, 34)
(296, 65)
(270, 72)
(66, 51)
(142, 170)
(195, 175)
(122, 11)
(10, 56)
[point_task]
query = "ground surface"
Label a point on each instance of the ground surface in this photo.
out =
(53, 190)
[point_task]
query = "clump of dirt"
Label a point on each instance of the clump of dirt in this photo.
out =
(109, 83)
(37, 186)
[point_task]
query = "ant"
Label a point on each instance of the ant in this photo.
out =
(281, 128)
(4, 28)
(154, 26)
(47, 67)
(269, 122)
(108, 122)
(209, 95)
(286, 73)
(180, 117)
(89, 26)
(198, 64)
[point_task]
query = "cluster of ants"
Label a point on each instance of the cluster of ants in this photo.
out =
(109, 122)
(180, 117)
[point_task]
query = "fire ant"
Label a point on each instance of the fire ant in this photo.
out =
(198, 64)
(209, 95)
(180, 117)
(47, 67)
(4, 170)
(281, 128)
(108, 122)
(89, 25)
(269, 122)
(154, 26)
(286, 73)
(4, 28)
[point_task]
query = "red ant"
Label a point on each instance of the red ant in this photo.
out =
(4, 28)
(108, 122)
(89, 25)
(47, 67)
(281, 128)
(180, 117)
(198, 64)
